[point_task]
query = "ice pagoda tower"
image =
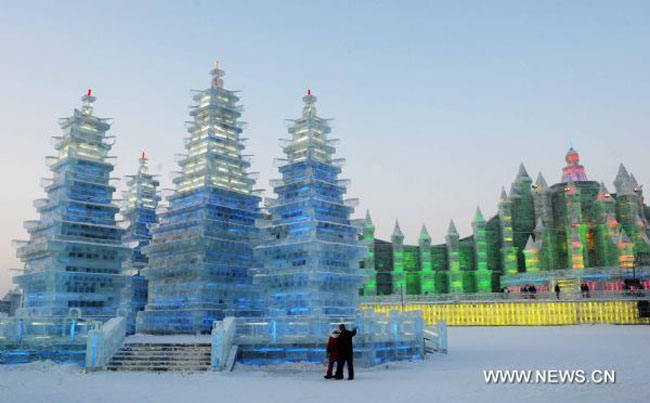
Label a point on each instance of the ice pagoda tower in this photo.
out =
(140, 204)
(310, 249)
(202, 250)
(74, 255)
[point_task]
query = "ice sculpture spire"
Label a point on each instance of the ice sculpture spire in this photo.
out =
(140, 204)
(201, 252)
(522, 171)
(74, 255)
(478, 215)
(88, 100)
(621, 178)
(603, 194)
(452, 228)
(368, 224)
(424, 234)
(310, 250)
(573, 170)
(503, 197)
(540, 183)
(397, 231)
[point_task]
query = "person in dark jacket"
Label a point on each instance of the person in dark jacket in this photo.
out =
(344, 347)
(332, 351)
(557, 291)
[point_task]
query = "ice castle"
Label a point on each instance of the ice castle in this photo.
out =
(202, 249)
(140, 204)
(74, 255)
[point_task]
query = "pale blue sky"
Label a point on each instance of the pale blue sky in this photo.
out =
(435, 103)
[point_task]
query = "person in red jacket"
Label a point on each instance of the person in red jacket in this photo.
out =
(332, 351)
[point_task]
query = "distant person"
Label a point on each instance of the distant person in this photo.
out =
(345, 350)
(532, 290)
(557, 291)
(332, 351)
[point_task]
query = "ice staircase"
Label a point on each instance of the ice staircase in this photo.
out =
(161, 354)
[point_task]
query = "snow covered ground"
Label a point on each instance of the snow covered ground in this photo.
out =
(457, 377)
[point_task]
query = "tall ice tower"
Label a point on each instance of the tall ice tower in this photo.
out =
(202, 249)
(74, 254)
(310, 250)
(140, 203)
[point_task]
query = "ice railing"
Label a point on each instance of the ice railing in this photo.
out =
(105, 340)
(371, 326)
(568, 295)
(25, 330)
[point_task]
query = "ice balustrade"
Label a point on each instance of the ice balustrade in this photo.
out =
(565, 295)
(26, 331)
(524, 312)
(381, 337)
(104, 340)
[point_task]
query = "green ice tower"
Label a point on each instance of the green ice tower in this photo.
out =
(630, 209)
(544, 227)
(531, 253)
(626, 250)
(427, 276)
(453, 258)
(542, 201)
(399, 277)
(523, 212)
(606, 248)
(627, 203)
(370, 288)
(576, 229)
(508, 250)
(545, 240)
(483, 275)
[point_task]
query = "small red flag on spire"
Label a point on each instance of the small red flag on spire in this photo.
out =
(89, 92)
(309, 92)
(143, 154)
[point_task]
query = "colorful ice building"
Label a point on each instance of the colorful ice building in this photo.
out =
(201, 251)
(572, 232)
(73, 259)
(139, 212)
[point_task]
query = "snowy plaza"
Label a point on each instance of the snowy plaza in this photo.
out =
(457, 376)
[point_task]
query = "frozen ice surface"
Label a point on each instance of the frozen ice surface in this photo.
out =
(456, 377)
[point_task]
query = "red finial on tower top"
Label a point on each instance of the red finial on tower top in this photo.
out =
(309, 92)
(90, 92)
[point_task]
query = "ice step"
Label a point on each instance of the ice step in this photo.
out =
(162, 368)
(160, 357)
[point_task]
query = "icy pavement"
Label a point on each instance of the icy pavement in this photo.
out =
(457, 377)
